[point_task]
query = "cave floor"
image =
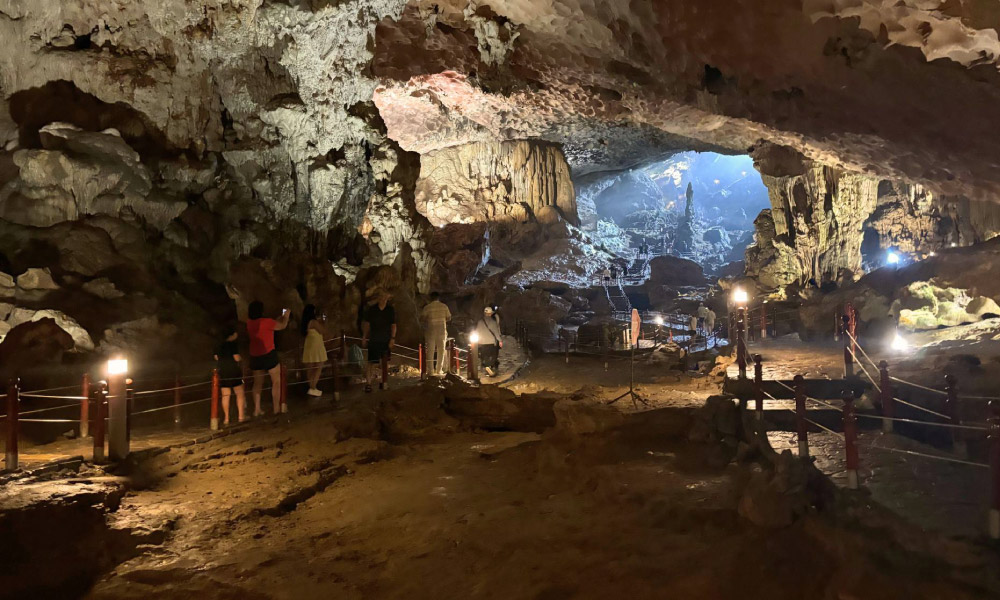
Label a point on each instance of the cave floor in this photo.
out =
(296, 508)
(288, 512)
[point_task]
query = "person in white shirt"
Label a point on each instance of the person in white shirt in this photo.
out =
(702, 314)
(490, 341)
(435, 317)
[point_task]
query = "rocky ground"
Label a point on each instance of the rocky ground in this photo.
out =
(443, 490)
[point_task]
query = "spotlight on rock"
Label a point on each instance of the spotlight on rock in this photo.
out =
(892, 258)
(899, 344)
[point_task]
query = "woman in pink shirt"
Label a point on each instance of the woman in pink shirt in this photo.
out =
(263, 355)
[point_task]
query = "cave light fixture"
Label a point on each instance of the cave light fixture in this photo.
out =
(117, 366)
(892, 258)
(474, 338)
(740, 297)
(659, 319)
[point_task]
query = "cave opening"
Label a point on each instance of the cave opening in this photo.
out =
(699, 206)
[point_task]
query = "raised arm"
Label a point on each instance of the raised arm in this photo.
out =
(282, 321)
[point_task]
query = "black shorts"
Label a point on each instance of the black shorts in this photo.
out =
(376, 350)
(264, 363)
(232, 384)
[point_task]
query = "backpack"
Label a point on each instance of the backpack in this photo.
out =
(355, 356)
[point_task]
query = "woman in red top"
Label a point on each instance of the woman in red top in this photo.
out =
(263, 354)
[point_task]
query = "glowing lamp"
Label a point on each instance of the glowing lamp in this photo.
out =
(117, 366)
(933, 253)
(953, 244)
(892, 258)
(473, 338)
(740, 296)
(899, 344)
(659, 320)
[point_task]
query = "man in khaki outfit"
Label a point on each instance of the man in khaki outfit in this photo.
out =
(435, 317)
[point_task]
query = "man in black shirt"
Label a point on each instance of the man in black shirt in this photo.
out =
(378, 334)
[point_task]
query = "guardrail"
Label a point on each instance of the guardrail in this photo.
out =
(949, 420)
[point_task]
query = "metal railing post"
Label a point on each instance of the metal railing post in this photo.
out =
(758, 384)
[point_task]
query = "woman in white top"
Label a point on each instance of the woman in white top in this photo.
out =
(314, 350)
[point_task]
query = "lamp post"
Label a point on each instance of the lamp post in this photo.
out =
(740, 300)
(117, 409)
(473, 356)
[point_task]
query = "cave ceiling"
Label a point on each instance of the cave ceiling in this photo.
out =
(902, 89)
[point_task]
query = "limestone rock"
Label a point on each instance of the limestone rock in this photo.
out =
(30, 344)
(7, 285)
(923, 305)
(509, 181)
(82, 341)
(776, 497)
(674, 271)
(103, 288)
(36, 279)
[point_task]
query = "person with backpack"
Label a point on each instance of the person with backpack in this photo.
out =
(490, 341)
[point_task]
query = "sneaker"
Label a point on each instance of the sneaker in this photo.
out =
(314, 392)
(490, 371)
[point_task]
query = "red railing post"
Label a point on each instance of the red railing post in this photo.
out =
(85, 406)
(758, 385)
(13, 399)
(213, 422)
(993, 434)
(848, 357)
(953, 410)
(421, 361)
(800, 416)
(454, 358)
(384, 384)
(284, 389)
(100, 413)
(851, 439)
(888, 405)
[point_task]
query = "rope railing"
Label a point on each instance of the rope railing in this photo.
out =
(850, 434)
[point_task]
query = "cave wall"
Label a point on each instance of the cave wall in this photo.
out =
(823, 220)
(505, 181)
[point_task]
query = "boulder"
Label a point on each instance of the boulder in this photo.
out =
(924, 305)
(776, 497)
(540, 310)
(32, 343)
(103, 288)
(7, 286)
(580, 418)
(36, 279)
(674, 271)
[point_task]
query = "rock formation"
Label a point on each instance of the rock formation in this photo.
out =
(163, 146)
(823, 220)
(497, 182)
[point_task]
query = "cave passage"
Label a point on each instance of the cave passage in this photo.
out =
(695, 205)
